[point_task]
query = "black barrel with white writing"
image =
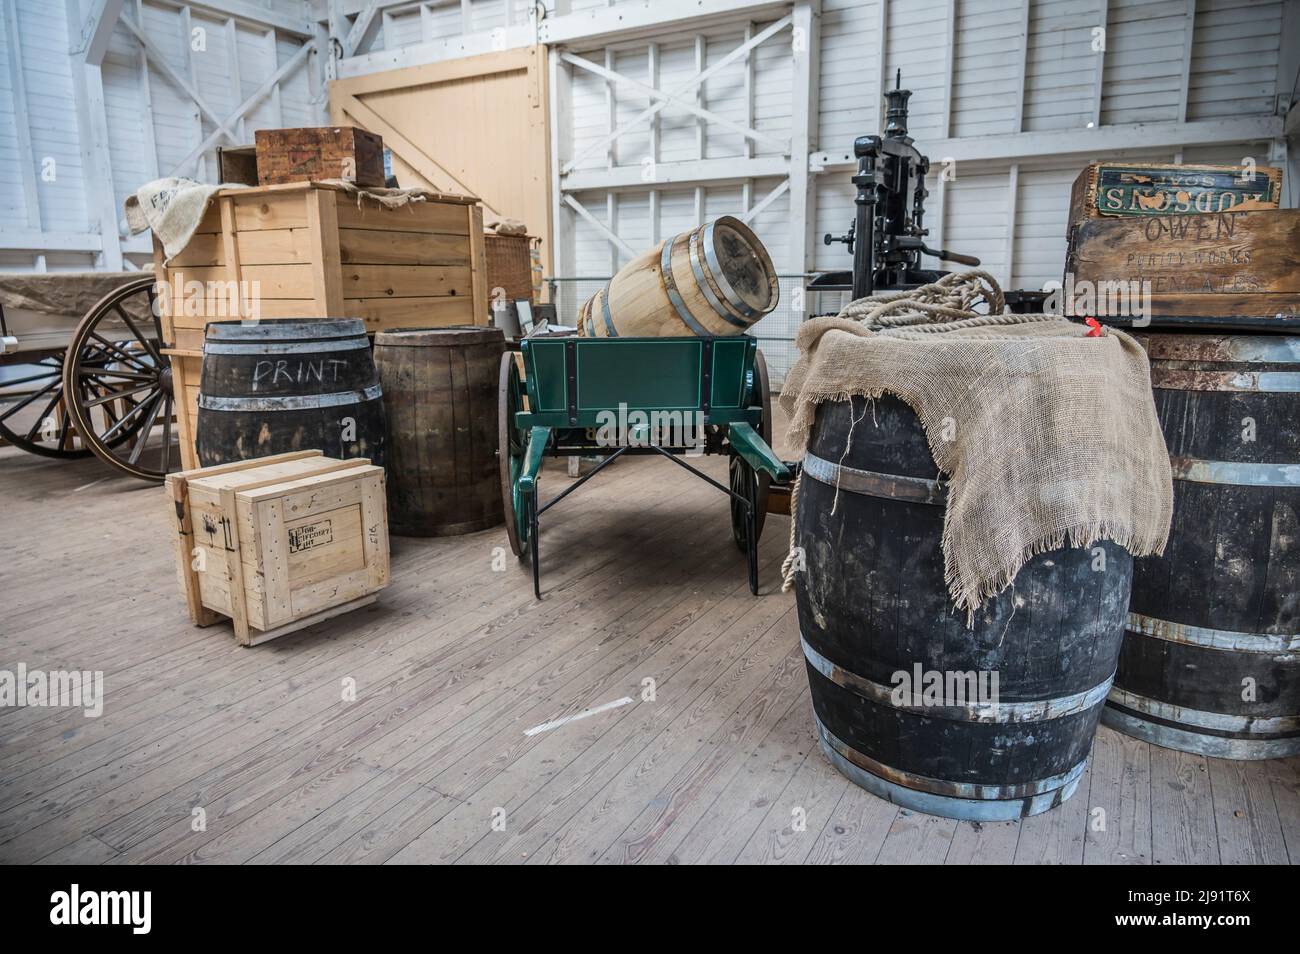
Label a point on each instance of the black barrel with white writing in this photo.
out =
(902, 690)
(299, 384)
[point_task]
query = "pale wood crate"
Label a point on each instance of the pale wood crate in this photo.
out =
(317, 252)
(279, 543)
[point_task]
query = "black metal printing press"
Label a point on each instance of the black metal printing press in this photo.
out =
(887, 237)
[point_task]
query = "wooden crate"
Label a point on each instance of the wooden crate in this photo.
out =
(1230, 264)
(307, 153)
(279, 543)
(1164, 188)
(316, 252)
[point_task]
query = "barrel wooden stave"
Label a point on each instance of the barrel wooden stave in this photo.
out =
(724, 287)
(440, 397)
(1232, 564)
(288, 385)
(872, 601)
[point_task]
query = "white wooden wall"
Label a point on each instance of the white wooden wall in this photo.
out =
(77, 137)
(1012, 91)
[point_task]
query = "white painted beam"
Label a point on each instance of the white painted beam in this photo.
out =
(1189, 37)
(1022, 67)
(33, 240)
(272, 82)
(689, 171)
(1009, 249)
(670, 100)
(1099, 77)
(249, 13)
(361, 28)
(805, 81)
(23, 131)
(96, 159)
(1083, 142)
(436, 51)
(599, 226)
(754, 211)
(97, 30)
(696, 83)
(659, 15)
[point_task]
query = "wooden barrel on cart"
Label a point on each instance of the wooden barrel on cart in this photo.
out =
(440, 397)
(273, 387)
(903, 692)
(1211, 660)
(715, 280)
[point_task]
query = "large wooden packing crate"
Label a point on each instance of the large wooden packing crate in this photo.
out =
(280, 542)
(1228, 265)
(316, 251)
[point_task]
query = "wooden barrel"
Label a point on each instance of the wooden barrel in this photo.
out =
(715, 280)
(440, 397)
(1211, 660)
(878, 629)
(272, 387)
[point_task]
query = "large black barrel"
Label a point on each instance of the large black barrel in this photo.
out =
(1211, 661)
(875, 616)
(276, 386)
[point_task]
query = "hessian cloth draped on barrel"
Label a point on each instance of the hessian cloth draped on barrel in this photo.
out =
(1047, 435)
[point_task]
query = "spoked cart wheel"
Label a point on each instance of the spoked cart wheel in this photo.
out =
(35, 419)
(511, 455)
(745, 481)
(117, 383)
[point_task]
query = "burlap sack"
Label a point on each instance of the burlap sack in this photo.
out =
(1047, 437)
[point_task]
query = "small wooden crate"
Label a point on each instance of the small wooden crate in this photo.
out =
(315, 251)
(1116, 188)
(281, 542)
(319, 152)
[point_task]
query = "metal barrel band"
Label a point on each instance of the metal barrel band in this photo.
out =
(1235, 474)
(254, 329)
(731, 296)
(1213, 638)
(604, 309)
(1039, 710)
(1262, 726)
(323, 348)
(1253, 349)
(674, 296)
(702, 281)
(1216, 746)
(950, 799)
(872, 484)
(1259, 382)
(289, 402)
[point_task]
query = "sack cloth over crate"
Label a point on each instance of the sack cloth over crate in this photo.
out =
(1047, 435)
(173, 207)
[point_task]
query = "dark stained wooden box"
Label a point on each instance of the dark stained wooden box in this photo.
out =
(311, 153)
(1228, 264)
(1117, 188)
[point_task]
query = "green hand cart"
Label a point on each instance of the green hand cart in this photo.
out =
(606, 397)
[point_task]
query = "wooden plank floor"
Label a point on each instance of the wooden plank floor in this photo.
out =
(645, 598)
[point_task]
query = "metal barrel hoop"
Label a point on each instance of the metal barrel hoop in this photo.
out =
(670, 289)
(706, 288)
(719, 277)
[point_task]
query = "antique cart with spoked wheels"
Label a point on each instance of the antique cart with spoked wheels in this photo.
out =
(606, 397)
(81, 379)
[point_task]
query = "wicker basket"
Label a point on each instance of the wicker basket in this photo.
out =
(509, 265)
